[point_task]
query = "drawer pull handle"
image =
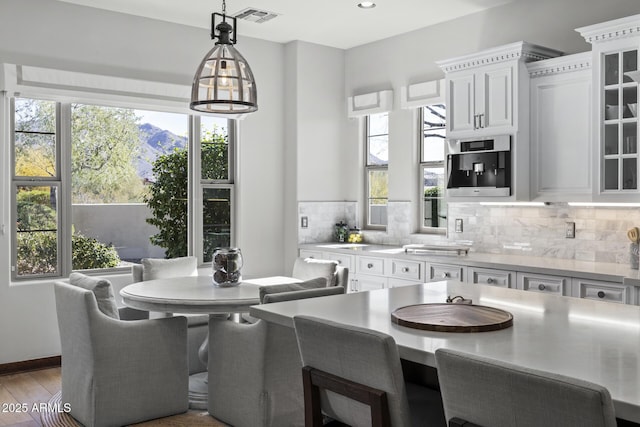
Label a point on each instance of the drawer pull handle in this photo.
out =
(601, 294)
(338, 261)
(541, 287)
(445, 275)
(369, 265)
(490, 280)
(405, 269)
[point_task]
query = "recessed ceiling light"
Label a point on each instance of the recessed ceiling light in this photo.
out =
(366, 5)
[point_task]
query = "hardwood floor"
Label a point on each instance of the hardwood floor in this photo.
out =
(23, 390)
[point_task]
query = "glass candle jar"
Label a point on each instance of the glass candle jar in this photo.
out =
(227, 263)
(341, 232)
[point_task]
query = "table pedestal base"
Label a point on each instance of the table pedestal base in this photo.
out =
(198, 391)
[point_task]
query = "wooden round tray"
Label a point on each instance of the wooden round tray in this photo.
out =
(452, 317)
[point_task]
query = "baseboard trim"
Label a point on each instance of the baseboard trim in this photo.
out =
(30, 365)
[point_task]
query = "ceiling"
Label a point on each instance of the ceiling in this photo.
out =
(336, 23)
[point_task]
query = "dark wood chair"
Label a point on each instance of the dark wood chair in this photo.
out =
(354, 375)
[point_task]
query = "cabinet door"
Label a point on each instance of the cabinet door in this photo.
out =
(487, 276)
(618, 95)
(446, 272)
(461, 103)
(560, 136)
(601, 291)
(362, 283)
(557, 285)
(495, 98)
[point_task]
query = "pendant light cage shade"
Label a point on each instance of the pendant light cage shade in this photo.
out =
(224, 83)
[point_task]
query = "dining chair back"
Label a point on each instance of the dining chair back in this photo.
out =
(118, 372)
(491, 393)
(254, 369)
(155, 268)
(354, 376)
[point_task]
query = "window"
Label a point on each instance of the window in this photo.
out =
(376, 166)
(114, 187)
(432, 168)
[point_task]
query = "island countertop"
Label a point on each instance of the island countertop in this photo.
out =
(591, 340)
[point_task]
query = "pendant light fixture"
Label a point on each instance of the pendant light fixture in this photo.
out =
(224, 82)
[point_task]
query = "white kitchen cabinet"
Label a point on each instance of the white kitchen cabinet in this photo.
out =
(557, 285)
(343, 260)
(306, 253)
(487, 91)
(490, 276)
(561, 128)
(445, 272)
(481, 99)
(408, 270)
(615, 74)
(363, 282)
(602, 291)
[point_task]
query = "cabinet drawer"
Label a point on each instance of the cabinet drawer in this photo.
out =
(409, 270)
(601, 291)
(446, 272)
(367, 265)
(556, 285)
(487, 276)
(343, 260)
(305, 253)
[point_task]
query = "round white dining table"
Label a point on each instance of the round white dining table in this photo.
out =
(197, 295)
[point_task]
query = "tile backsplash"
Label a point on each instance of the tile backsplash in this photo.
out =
(600, 232)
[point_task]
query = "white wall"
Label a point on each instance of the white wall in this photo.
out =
(64, 36)
(316, 159)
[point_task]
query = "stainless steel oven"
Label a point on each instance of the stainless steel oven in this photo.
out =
(479, 167)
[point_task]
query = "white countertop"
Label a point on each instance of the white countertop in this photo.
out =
(611, 272)
(592, 340)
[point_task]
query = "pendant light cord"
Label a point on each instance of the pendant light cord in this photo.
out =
(224, 8)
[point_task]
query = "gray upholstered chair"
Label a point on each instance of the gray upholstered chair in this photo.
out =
(342, 357)
(254, 369)
(152, 268)
(118, 372)
(309, 268)
(490, 393)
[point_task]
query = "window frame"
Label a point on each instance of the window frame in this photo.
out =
(62, 181)
(421, 169)
(371, 168)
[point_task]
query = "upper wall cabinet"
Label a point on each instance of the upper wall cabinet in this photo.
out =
(487, 90)
(561, 128)
(615, 73)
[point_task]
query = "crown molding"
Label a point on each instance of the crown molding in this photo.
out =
(560, 65)
(523, 51)
(611, 30)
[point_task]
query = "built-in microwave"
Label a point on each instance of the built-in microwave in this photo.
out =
(479, 166)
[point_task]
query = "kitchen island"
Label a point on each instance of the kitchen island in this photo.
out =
(591, 340)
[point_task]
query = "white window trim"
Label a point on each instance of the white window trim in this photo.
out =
(367, 169)
(63, 180)
(422, 228)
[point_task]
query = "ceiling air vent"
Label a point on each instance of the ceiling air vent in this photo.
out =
(256, 15)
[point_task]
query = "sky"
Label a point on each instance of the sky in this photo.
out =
(176, 123)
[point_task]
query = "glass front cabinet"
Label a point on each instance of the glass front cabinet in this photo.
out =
(615, 117)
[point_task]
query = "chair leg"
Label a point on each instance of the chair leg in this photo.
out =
(312, 410)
